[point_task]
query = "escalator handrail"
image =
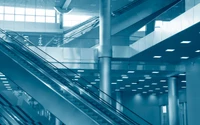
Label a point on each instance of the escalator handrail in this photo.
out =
(105, 102)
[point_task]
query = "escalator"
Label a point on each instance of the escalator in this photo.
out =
(71, 101)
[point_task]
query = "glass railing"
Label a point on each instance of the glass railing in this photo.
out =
(82, 84)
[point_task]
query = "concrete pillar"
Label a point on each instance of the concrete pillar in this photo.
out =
(119, 101)
(105, 49)
(61, 20)
(173, 102)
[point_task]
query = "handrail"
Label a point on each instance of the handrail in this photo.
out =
(94, 95)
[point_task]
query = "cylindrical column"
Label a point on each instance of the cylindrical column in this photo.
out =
(119, 101)
(105, 49)
(173, 102)
(57, 122)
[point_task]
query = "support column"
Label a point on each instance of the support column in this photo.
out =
(119, 99)
(150, 27)
(173, 102)
(57, 122)
(105, 49)
(61, 20)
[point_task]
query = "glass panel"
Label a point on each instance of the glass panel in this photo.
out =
(50, 12)
(20, 11)
(142, 29)
(9, 17)
(30, 11)
(58, 18)
(164, 109)
(1, 16)
(1, 9)
(40, 12)
(9, 10)
(30, 18)
(40, 19)
(19, 17)
(72, 20)
(50, 19)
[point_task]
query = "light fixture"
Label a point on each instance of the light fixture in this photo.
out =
(183, 81)
(146, 86)
(155, 72)
(184, 57)
(141, 80)
(134, 90)
(197, 51)
(150, 90)
(161, 92)
(157, 57)
(114, 83)
(183, 87)
(80, 70)
(166, 90)
(139, 88)
(93, 83)
(75, 79)
(131, 71)
(76, 76)
(124, 77)
(144, 92)
(185, 42)
(2, 75)
(182, 74)
(119, 80)
(122, 88)
(134, 83)
(9, 89)
(162, 80)
(157, 88)
(154, 83)
(97, 80)
(127, 85)
(165, 86)
(3, 78)
(148, 77)
(169, 50)
(5, 82)
(117, 90)
(89, 85)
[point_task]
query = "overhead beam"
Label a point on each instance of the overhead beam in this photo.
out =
(66, 4)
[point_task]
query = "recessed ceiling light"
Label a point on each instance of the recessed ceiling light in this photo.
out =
(150, 90)
(197, 51)
(169, 50)
(117, 90)
(114, 83)
(182, 74)
(134, 83)
(76, 76)
(141, 80)
(131, 71)
(134, 90)
(9, 89)
(185, 42)
(119, 80)
(157, 88)
(5, 82)
(157, 57)
(97, 80)
(124, 77)
(155, 72)
(146, 86)
(122, 88)
(161, 92)
(183, 81)
(75, 79)
(148, 77)
(183, 87)
(166, 90)
(80, 70)
(162, 80)
(139, 88)
(3, 78)
(165, 86)
(2, 75)
(144, 92)
(184, 57)
(154, 83)
(93, 83)
(127, 85)
(89, 85)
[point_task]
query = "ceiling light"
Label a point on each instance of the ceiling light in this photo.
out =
(122, 88)
(134, 90)
(154, 83)
(124, 77)
(182, 74)
(119, 80)
(114, 83)
(157, 88)
(5, 82)
(3, 78)
(144, 92)
(169, 50)
(148, 77)
(161, 92)
(131, 71)
(155, 72)
(9, 89)
(2, 75)
(197, 51)
(184, 57)
(150, 90)
(166, 90)
(165, 86)
(97, 80)
(139, 88)
(146, 86)
(162, 80)
(183, 81)
(80, 70)
(157, 57)
(183, 87)
(75, 79)
(76, 76)
(127, 85)
(134, 83)
(117, 90)
(185, 42)
(93, 83)
(141, 80)
(89, 85)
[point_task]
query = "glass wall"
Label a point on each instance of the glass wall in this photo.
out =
(20, 14)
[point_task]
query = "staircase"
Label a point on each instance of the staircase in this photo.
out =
(71, 101)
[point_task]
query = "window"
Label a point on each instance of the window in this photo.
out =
(1, 16)
(19, 18)
(50, 19)
(9, 10)
(50, 13)
(40, 19)
(30, 19)
(142, 29)
(20, 11)
(9, 17)
(30, 11)
(40, 12)
(1, 9)
(72, 20)
(164, 109)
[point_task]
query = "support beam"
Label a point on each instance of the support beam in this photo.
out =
(173, 102)
(66, 4)
(105, 49)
